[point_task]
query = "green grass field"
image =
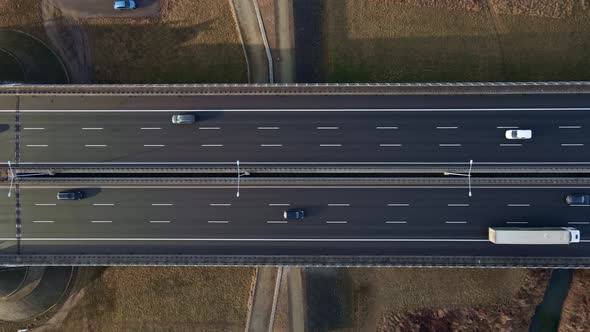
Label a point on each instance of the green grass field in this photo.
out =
(377, 41)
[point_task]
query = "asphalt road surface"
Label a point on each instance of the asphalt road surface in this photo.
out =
(306, 137)
(365, 218)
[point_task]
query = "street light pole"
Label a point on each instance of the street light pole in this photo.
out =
(468, 175)
(11, 178)
(239, 176)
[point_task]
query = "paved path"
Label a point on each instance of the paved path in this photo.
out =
(263, 299)
(252, 40)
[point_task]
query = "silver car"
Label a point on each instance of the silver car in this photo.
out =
(183, 118)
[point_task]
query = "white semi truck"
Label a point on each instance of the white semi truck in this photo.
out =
(533, 235)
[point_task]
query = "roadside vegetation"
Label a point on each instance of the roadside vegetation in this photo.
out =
(160, 299)
(470, 40)
(575, 315)
(192, 41)
(415, 299)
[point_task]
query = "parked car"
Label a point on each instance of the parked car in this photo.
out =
(183, 119)
(70, 195)
(293, 214)
(577, 199)
(124, 4)
(519, 134)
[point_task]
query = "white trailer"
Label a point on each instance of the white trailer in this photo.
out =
(533, 235)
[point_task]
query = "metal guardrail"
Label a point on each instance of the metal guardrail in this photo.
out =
(318, 169)
(296, 89)
(334, 261)
(312, 181)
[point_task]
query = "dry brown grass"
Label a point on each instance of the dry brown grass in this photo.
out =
(393, 291)
(163, 299)
(420, 40)
(24, 15)
(192, 41)
(505, 303)
(575, 315)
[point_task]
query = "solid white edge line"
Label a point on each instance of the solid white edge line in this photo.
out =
(54, 239)
(364, 110)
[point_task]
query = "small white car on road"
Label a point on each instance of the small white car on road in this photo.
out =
(519, 134)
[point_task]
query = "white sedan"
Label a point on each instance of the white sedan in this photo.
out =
(519, 134)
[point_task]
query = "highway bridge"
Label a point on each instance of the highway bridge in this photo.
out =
(366, 162)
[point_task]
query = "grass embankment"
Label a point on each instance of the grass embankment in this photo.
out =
(22, 15)
(10, 68)
(426, 41)
(476, 299)
(193, 41)
(575, 315)
(163, 299)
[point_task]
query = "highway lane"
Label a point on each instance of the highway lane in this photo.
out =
(299, 136)
(367, 213)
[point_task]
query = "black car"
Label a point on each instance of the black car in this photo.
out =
(70, 195)
(577, 199)
(293, 214)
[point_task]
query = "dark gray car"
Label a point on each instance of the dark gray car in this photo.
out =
(70, 195)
